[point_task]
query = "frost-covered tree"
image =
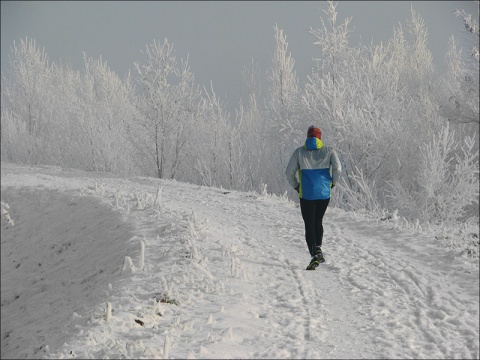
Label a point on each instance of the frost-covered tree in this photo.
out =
(459, 94)
(471, 26)
(102, 110)
(420, 65)
(30, 73)
(214, 134)
(283, 86)
(246, 148)
(14, 139)
(247, 145)
(446, 188)
(332, 41)
(167, 111)
(27, 103)
(323, 97)
(281, 111)
(376, 105)
(54, 115)
(66, 133)
(460, 88)
(414, 63)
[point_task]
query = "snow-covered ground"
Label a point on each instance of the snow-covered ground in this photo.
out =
(97, 266)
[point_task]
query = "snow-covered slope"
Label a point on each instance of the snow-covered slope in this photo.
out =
(96, 266)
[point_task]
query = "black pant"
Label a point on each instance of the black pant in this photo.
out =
(312, 213)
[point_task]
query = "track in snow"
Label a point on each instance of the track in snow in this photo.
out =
(235, 262)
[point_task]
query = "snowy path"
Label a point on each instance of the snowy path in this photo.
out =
(228, 268)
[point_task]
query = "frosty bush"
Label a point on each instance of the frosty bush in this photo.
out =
(108, 312)
(446, 187)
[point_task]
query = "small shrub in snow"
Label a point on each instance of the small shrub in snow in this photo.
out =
(128, 267)
(166, 348)
(165, 298)
(120, 200)
(99, 188)
(108, 312)
(446, 189)
(6, 214)
(140, 200)
(360, 191)
(464, 240)
(158, 198)
(263, 190)
(141, 262)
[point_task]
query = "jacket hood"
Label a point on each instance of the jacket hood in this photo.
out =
(313, 143)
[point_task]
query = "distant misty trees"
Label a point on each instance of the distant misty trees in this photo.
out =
(407, 136)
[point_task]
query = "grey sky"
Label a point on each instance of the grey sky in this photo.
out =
(221, 37)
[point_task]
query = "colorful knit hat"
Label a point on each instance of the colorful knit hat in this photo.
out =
(314, 132)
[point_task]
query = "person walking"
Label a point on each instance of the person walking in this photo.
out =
(319, 169)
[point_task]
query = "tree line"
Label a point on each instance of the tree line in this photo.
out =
(407, 136)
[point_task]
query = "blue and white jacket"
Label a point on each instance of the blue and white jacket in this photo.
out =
(318, 169)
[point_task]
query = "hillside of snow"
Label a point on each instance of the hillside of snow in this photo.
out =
(98, 266)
